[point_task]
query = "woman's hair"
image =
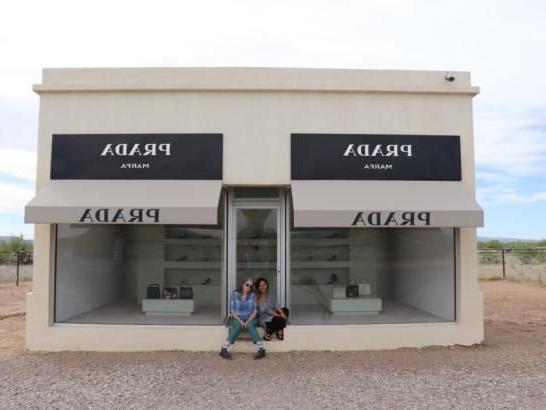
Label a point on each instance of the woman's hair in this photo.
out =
(257, 284)
(242, 284)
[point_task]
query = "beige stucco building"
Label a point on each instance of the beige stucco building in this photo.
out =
(160, 189)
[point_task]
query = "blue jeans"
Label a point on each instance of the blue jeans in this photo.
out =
(235, 329)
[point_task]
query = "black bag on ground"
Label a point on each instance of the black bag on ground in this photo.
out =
(153, 291)
(185, 292)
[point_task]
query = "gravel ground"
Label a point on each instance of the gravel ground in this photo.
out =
(508, 370)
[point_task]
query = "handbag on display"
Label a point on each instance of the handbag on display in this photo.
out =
(170, 292)
(185, 292)
(153, 291)
(351, 291)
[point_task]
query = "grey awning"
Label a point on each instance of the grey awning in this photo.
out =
(116, 201)
(390, 204)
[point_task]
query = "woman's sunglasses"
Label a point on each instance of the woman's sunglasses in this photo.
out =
(248, 285)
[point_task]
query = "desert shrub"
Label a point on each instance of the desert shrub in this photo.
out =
(489, 258)
(532, 257)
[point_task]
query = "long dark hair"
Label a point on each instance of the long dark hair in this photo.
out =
(257, 288)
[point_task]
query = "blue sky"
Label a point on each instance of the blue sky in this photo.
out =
(500, 42)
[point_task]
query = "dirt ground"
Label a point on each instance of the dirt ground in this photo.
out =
(507, 370)
(12, 319)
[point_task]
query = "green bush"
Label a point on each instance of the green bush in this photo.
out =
(9, 249)
(490, 244)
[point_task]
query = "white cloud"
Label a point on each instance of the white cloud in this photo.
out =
(511, 144)
(514, 197)
(18, 163)
(492, 177)
(14, 197)
(18, 122)
(507, 192)
(510, 154)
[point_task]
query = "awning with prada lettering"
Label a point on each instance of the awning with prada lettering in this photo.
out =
(385, 204)
(126, 201)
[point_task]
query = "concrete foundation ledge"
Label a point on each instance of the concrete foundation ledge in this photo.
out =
(131, 338)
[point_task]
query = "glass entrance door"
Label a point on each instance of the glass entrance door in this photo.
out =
(255, 240)
(256, 245)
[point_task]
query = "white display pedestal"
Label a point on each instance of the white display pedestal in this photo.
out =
(173, 307)
(363, 305)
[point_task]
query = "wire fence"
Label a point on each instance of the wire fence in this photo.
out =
(526, 264)
(507, 263)
(16, 266)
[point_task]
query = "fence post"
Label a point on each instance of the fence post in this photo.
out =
(18, 261)
(503, 265)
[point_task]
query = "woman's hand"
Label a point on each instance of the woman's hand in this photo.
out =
(236, 317)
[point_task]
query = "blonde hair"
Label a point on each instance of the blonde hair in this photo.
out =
(242, 284)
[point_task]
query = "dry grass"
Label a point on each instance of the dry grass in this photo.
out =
(515, 270)
(8, 273)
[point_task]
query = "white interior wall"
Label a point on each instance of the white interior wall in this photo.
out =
(423, 270)
(88, 268)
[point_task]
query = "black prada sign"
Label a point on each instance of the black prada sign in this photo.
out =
(409, 218)
(120, 215)
(136, 156)
(376, 157)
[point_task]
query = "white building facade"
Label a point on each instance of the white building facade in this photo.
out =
(159, 190)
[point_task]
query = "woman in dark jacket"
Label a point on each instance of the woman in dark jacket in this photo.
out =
(270, 316)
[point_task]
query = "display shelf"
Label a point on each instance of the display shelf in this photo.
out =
(257, 265)
(194, 242)
(172, 307)
(197, 250)
(192, 265)
(321, 264)
(320, 242)
(312, 272)
(363, 305)
(201, 251)
(256, 242)
(314, 251)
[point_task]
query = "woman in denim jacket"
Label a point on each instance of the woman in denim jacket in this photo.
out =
(242, 314)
